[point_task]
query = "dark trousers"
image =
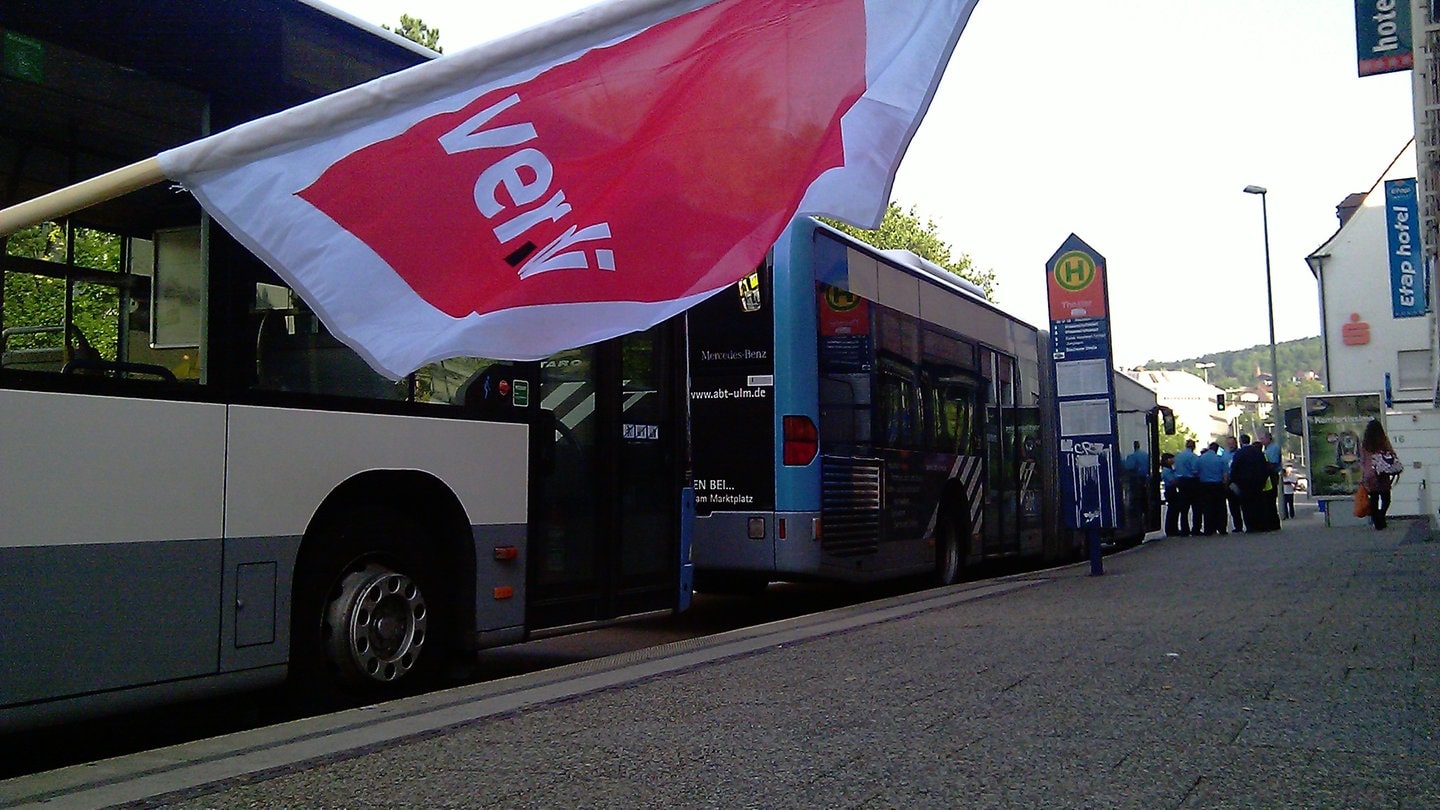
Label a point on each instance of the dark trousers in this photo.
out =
(1185, 498)
(1212, 506)
(1173, 508)
(1237, 515)
(1289, 504)
(1260, 514)
(1379, 505)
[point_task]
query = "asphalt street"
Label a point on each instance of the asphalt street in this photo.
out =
(1290, 669)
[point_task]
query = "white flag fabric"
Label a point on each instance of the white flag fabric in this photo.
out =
(580, 180)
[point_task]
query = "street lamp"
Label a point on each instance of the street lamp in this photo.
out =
(1277, 414)
(1205, 369)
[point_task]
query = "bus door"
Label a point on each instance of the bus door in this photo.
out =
(606, 516)
(957, 425)
(1002, 465)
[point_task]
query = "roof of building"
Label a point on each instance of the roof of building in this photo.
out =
(1345, 210)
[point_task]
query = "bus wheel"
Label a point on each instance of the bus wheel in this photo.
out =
(376, 626)
(948, 557)
(368, 618)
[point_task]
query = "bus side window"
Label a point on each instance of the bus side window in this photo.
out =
(957, 410)
(898, 411)
(77, 300)
(844, 411)
(295, 352)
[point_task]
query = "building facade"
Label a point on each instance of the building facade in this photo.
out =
(1373, 336)
(1376, 338)
(1191, 398)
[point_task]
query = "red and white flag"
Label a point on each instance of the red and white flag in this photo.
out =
(580, 180)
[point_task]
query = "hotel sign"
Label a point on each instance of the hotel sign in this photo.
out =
(1382, 36)
(1408, 297)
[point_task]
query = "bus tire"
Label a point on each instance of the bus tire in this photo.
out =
(369, 616)
(949, 553)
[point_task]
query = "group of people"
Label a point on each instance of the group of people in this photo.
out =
(1245, 479)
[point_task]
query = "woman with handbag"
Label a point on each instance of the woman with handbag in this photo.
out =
(1380, 467)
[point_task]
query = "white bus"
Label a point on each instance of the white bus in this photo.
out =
(200, 489)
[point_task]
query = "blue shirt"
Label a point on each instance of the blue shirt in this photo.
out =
(1210, 468)
(1185, 463)
(1272, 455)
(1138, 464)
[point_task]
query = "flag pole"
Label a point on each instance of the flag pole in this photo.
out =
(67, 200)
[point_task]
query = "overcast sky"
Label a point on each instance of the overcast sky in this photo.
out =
(1134, 124)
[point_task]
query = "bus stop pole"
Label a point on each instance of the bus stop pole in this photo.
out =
(1092, 539)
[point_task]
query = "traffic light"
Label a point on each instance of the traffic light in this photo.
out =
(1219, 402)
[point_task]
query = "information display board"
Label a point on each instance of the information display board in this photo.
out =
(1084, 385)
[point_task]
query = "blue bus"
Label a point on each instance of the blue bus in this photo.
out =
(859, 415)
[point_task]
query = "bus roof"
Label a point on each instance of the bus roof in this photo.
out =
(918, 266)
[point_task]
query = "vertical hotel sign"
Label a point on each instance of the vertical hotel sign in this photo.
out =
(1382, 36)
(1408, 296)
(1084, 385)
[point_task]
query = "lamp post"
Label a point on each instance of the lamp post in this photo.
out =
(1205, 369)
(1276, 414)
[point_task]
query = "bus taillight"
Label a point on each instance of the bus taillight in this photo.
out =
(802, 441)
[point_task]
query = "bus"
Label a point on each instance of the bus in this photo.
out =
(203, 490)
(860, 415)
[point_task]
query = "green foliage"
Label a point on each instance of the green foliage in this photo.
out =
(1241, 368)
(415, 30)
(1176, 443)
(35, 300)
(902, 229)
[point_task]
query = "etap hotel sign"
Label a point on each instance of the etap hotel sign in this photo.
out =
(1409, 297)
(1083, 381)
(1382, 36)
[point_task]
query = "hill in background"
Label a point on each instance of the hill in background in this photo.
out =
(1299, 360)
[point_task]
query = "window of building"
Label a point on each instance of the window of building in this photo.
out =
(1414, 369)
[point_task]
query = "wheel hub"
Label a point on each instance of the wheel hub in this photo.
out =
(378, 625)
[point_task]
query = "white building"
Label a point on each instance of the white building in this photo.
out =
(1368, 341)
(1364, 341)
(1191, 398)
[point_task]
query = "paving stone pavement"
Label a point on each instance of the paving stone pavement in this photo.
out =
(1291, 669)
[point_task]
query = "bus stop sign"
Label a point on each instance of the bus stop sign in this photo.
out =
(1082, 377)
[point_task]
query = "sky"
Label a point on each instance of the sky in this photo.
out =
(1134, 124)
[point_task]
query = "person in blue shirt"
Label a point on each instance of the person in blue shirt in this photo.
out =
(1137, 470)
(1210, 473)
(1185, 488)
(1172, 499)
(1232, 494)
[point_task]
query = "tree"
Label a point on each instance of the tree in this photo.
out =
(415, 30)
(1176, 443)
(32, 300)
(901, 229)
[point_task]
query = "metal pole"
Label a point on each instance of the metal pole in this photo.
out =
(1277, 412)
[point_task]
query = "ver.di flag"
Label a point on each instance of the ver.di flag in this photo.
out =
(581, 180)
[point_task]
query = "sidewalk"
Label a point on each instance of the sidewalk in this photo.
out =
(1292, 669)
